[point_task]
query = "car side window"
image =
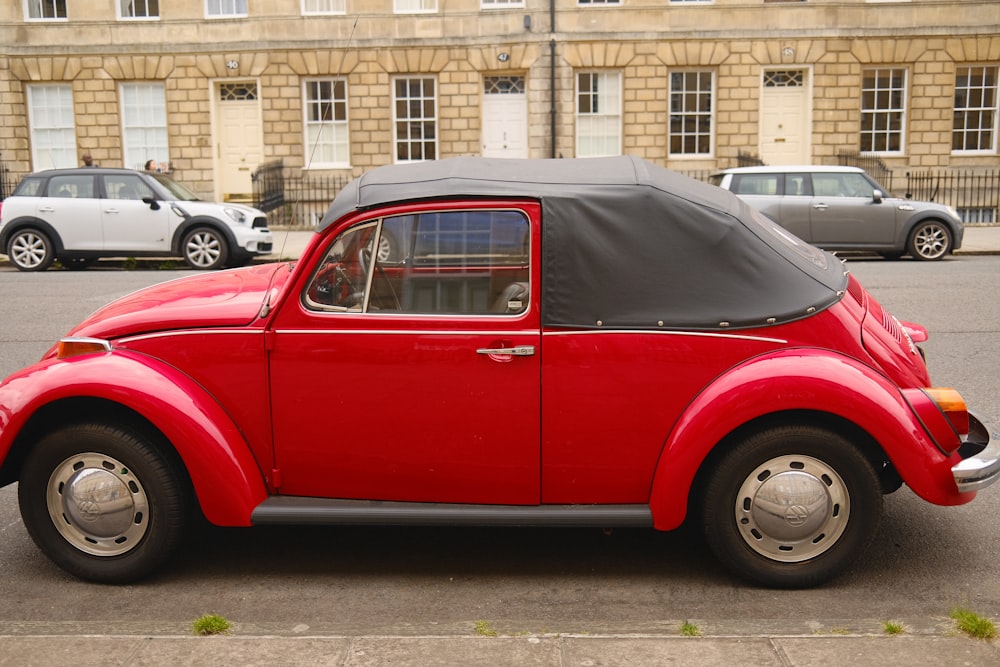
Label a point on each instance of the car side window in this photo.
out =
(798, 185)
(469, 262)
(126, 186)
(841, 185)
(71, 186)
(756, 184)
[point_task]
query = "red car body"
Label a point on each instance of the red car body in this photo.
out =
(269, 395)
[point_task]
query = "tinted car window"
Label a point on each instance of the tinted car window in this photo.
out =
(841, 185)
(756, 184)
(71, 185)
(126, 186)
(29, 187)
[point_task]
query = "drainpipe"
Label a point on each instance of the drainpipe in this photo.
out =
(552, 76)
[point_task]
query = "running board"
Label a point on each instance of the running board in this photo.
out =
(290, 510)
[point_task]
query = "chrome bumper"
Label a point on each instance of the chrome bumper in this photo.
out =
(982, 467)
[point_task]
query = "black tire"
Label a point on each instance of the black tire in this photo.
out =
(78, 263)
(30, 250)
(205, 248)
(102, 502)
(930, 240)
(771, 536)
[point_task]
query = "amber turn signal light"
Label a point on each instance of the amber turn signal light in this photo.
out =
(72, 347)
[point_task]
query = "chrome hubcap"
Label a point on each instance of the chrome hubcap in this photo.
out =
(792, 508)
(97, 504)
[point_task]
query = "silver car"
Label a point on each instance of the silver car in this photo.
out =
(842, 208)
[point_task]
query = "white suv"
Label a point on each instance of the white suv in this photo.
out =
(80, 215)
(842, 208)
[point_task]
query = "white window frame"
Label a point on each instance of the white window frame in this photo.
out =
(122, 5)
(607, 97)
(698, 114)
(37, 5)
(339, 128)
(414, 6)
(226, 9)
(873, 108)
(500, 4)
(598, 3)
(144, 123)
(52, 126)
(397, 141)
(334, 7)
(981, 109)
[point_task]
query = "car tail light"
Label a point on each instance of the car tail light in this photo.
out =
(72, 347)
(952, 406)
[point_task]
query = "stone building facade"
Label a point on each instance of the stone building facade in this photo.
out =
(210, 89)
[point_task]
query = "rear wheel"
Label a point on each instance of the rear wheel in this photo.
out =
(205, 248)
(102, 502)
(930, 240)
(791, 506)
(30, 250)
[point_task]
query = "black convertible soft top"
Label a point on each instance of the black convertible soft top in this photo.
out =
(628, 244)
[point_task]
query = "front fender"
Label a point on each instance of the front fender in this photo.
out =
(226, 478)
(817, 381)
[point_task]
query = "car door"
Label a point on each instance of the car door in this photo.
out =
(407, 368)
(128, 222)
(844, 212)
(72, 207)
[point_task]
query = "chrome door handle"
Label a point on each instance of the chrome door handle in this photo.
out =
(820, 207)
(518, 351)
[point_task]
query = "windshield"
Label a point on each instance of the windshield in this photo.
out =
(174, 188)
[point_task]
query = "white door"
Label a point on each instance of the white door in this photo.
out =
(505, 117)
(238, 136)
(785, 118)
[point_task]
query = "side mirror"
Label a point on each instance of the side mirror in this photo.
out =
(153, 204)
(877, 196)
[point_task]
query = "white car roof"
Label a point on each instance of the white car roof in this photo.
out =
(785, 169)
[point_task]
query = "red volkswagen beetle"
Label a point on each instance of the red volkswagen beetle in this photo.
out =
(497, 342)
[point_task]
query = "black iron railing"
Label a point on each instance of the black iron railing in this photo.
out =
(292, 197)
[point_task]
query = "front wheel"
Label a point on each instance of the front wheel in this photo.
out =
(102, 502)
(30, 250)
(791, 507)
(930, 240)
(205, 248)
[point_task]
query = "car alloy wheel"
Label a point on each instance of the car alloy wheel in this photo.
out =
(205, 249)
(30, 250)
(930, 241)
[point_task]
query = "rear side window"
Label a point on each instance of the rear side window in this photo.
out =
(756, 184)
(28, 187)
(75, 186)
(437, 263)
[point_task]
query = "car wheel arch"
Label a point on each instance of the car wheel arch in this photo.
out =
(871, 412)
(19, 224)
(227, 481)
(193, 223)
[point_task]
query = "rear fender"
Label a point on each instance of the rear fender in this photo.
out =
(802, 380)
(226, 478)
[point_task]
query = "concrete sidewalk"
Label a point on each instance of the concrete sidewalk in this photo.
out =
(49, 645)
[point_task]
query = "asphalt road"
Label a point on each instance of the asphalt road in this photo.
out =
(925, 561)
